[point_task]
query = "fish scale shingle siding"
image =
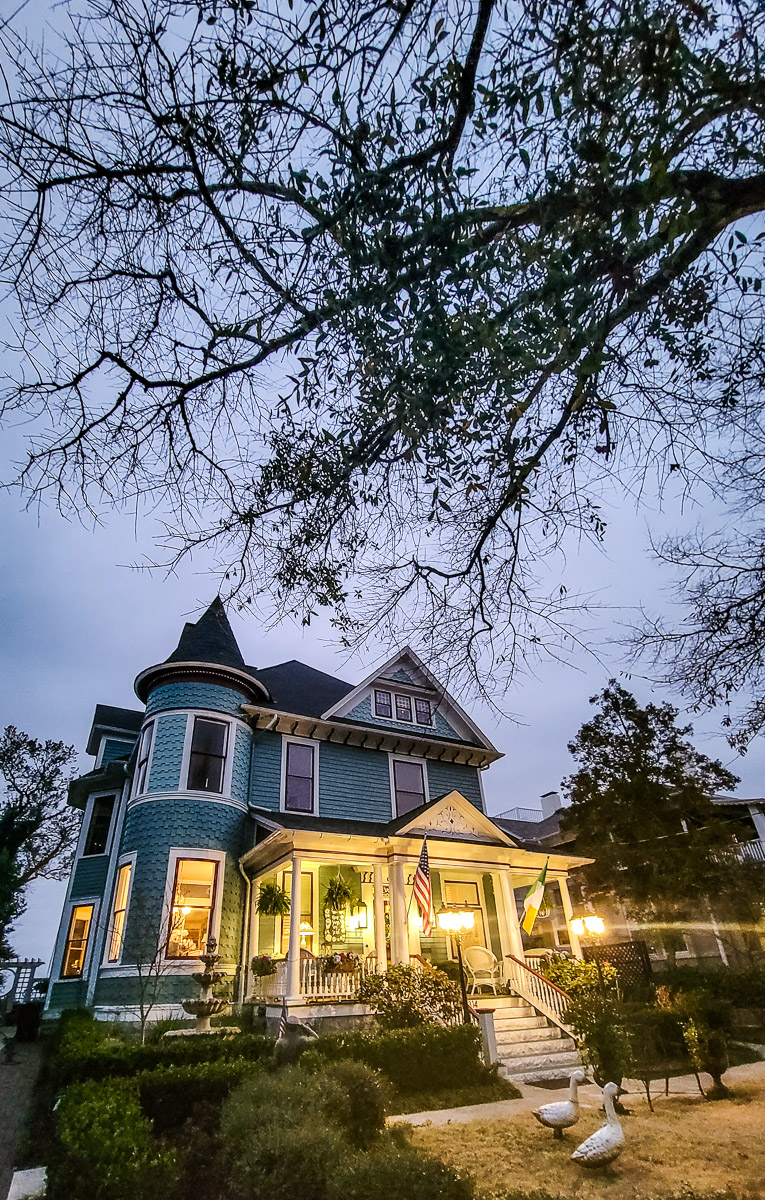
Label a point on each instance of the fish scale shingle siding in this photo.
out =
(440, 727)
(167, 753)
(196, 695)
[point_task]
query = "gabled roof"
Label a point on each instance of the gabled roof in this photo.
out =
(209, 640)
(119, 722)
(386, 674)
(296, 687)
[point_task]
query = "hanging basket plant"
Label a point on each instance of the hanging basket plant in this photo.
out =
(337, 894)
(272, 901)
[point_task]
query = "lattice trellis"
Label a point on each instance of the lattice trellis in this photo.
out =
(630, 960)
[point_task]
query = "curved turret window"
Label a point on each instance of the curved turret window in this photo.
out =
(207, 760)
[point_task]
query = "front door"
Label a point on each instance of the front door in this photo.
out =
(461, 893)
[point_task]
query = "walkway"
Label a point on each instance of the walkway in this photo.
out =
(589, 1096)
(16, 1082)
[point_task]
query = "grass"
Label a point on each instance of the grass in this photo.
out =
(480, 1093)
(688, 1145)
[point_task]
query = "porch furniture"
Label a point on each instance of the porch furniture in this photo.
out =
(483, 966)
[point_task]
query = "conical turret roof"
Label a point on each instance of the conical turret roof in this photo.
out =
(209, 640)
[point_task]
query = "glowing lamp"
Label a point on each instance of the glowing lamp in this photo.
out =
(578, 926)
(357, 918)
(595, 925)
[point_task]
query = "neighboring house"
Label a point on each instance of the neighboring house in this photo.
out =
(236, 776)
(711, 941)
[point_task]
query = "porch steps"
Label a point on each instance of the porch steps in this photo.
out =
(529, 1047)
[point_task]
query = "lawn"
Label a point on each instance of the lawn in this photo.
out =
(687, 1144)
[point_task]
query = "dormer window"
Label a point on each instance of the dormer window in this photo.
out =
(422, 712)
(404, 709)
(383, 705)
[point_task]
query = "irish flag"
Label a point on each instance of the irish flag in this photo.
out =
(533, 901)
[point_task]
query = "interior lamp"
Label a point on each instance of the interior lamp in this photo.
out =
(305, 930)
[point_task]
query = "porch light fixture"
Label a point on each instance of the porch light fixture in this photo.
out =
(357, 918)
(593, 925)
(453, 921)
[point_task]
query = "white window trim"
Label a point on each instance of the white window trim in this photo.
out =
(413, 695)
(85, 826)
(387, 692)
(153, 723)
(228, 766)
(189, 965)
(407, 758)
(122, 861)
(69, 907)
(299, 741)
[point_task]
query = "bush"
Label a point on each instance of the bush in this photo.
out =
(575, 976)
(405, 997)
(78, 1058)
(105, 1149)
(430, 1057)
(396, 1171)
(740, 987)
(599, 1024)
(171, 1095)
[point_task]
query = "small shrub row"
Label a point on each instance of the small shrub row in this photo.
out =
(169, 1096)
(432, 1056)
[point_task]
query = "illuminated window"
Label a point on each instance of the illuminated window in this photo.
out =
(298, 778)
(307, 915)
(142, 762)
(192, 907)
(77, 941)
(409, 783)
(100, 824)
(383, 704)
(119, 911)
(208, 755)
(422, 712)
(404, 709)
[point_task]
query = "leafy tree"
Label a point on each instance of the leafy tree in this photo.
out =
(641, 806)
(38, 831)
(374, 298)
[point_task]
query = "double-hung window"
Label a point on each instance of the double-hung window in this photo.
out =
(97, 838)
(383, 704)
(409, 784)
(192, 907)
(299, 777)
(422, 712)
(142, 761)
(404, 709)
(76, 946)
(119, 911)
(207, 759)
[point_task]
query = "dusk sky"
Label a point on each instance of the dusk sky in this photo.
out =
(78, 625)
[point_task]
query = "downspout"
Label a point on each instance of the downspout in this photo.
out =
(245, 936)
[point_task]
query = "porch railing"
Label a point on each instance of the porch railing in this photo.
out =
(753, 851)
(316, 981)
(537, 991)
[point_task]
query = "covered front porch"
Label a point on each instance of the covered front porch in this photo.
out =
(321, 958)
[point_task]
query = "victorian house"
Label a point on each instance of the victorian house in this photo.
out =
(230, 778)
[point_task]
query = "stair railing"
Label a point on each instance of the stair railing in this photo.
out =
(546, 997)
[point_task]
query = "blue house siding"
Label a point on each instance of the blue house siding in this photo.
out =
(439, 729)
(167, 753)
(354, 783)
(113, 748)
(196, 695)
(89, 876)
(454, 777)
(151, 829)
(240, 772)
(266, 769)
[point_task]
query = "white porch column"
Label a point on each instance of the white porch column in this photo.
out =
(379, 918)
(253, 940)
(293, 955)
(399, 933)
(568, 911)
(513, 927)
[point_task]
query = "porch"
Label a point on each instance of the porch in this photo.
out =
(322, 957)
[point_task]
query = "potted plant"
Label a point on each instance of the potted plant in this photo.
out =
(337, 894)
(263, 965)
(341, 963)
(272, 901)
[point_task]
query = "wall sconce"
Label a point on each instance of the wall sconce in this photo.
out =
(357, 918)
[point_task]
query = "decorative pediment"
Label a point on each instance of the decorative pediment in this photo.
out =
(453, 816)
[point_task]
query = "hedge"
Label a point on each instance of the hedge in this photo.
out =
(428, 1057)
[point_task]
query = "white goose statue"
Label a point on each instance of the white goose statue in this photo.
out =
(606, 1143)
(562, 1114)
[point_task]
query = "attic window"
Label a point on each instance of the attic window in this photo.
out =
(404, 709)
(422, 712)
(383, 704)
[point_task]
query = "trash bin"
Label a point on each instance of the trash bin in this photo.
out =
(28, 1017)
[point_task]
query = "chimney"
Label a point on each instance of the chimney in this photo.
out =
(551, 802)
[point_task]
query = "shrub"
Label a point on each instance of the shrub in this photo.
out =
(431, 1056)
(599, 1024)
(171, 1095)
(356, 1099)
(741, 987)
(404, 997)
(396, 1171)
(105, 1149)
(101, 1058)
(575, 976)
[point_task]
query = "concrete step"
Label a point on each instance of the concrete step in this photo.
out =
(529, 1020)
(487, 1000)
(516, 1037)
(542, 1045)
(538, 1066)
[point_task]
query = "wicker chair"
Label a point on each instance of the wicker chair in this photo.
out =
(483, 966)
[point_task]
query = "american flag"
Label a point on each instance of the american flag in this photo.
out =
(422, 891)
(282, 1022)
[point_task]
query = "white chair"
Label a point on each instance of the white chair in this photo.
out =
(483, 966)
